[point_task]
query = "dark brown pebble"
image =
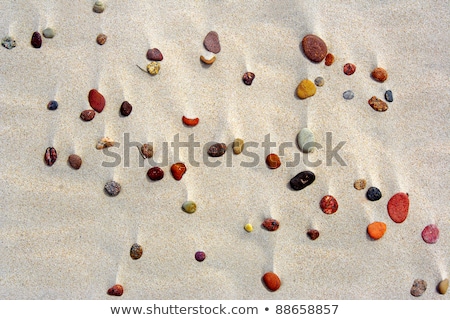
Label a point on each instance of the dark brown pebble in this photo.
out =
(313, 234)
(136, 251)
(125, 108)
(314, 48)
(75, 161)
(155, 173)
(302, 180)
(248, 78)
(211, 42)
(115, 290)
(154, 55)
(36, 40)
(349, 69)
(217, 149)
(87, 115)
(50, 156)
(271, 224)
(101, 39)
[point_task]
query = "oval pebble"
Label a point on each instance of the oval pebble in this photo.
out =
(430, 234)
(155, 173)
(36, 40)
(319, 81)
(96, 100)
(349, 69)
(306, 140)
(75, 161)
(272, 281)
(388, 96)
(211, 42)
(273, 161)
(348, 95)
(315, 48)
(87, 115)
(329, 59)
(200, 256)
(329, 204)
(136, 251)
(373, 194)
(302, 180)
(377, 104)
(99, 7)
(101, 39)
(125, 108)
(154, 54)
(248, 78)
(48, 33)
(271, 224)
(418, 288)
(52, 105)
(112, 188)
(398, 207)
(189, 206)
(379, 74)
(443, 286)
(217, 150)
(305, 89)
(376, 230)
(248, 227)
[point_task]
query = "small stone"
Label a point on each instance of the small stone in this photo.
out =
(430, 234)
(306, 89)
(319, 81)
(306, 140)
(398, 207)
(75, 161)
(115, 290)
(52, 105)
(125, 108)
(349, 69)
(443, 286)
(271, 224)
(36, 40)
(272, 281)
(377, 104)
(178, 170)
(99, 7)
(208, 60)
(373, 194)
(360, 184)
(302, 180)
(189, 206)
(112, 188)
(153, 68)
(147, 150)
(248, 78)
(273, 161)
(154, 55)
(101, 39)
(217, 150)
(329, 59)
(314, 48)
(388, 96)
(48, 33)
(155, 173)
(104, 143)
(376, 230)
(87, 115)
(190, 122)
(200, 256)
(313, 234)
(211, 42)
(50, 156)
(348, 95)
(238, 145)
(136, 251)
(248, 227)
(329, 204)
(379, 74)
(96, 100)
(8, 42)
(418, 288)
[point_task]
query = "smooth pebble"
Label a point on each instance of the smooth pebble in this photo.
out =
(211, 42)
(379, 74)
(305, 89)
(319, 81)
(217, 150)
(373, 194)
(200, 256)
(443, 286)
(273, 161)
(315, 48)
(271, 224)
(313, 234)
(272, 281)
(377, 104)
(52, 105)
(101, 39)
(36, 40)
(430, 234)
(306, 140)
(125, 108)
(360, 184)
(48, 33)
(99, 7)
(329, 59)
(349, 69)
(154, 54)
(329, 204)
(189, 206)
(398, 207)
(348, 95)
(302, 180)
(75, 161)
(178, 170)
(115, 290)
(248, 227)
(388, 96)
(87, 115)
(376, 230)
(96, 100)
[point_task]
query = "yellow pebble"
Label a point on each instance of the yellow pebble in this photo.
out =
(248, 227)
(443, 286)
(306, 89)
(238, 145)
(153, 67)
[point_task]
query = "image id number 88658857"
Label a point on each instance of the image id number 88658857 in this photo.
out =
(306, 309)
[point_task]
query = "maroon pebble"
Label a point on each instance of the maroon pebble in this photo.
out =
(430, 234)
(211, 42)
(50, 156)
(329, 204)
(155, 173)
(154, 55)
(36, 40)
(87, 115)
(200, 256)
(349, 69)
(313, 234)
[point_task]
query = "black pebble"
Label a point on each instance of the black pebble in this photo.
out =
(52, 105)
(302, 180)
(388, 96)
(373, 194)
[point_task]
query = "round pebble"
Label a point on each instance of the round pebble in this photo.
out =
(305, 89)
(418, 288)
(373, 194)
(314, 48)
(302, 180)
(313, 234)
(379, 74)
(360, 184)
(112, 188)
(388, 96)
(36, 40)
(398, 207)
(200, 256)
(52, 105)
(248, 227)
(8, 42)
(101, 39)
(348, 95)
(248, 78)
(87, 115)
(329, 204)
(126, 108)
(273, 161)
(48, 33)
(376, 230)
(271, 224)
(147, 150)
(75, 161)
(154, 54)
(115, 290)
(349, 69)
(377, 104)
(272, 281)
(329, 59)
(319, 81)
(99, 7)
(211, 42)
(153, 67)
(430, 234)
(217, 150)
(189, 206)
(306, 140)
(443, 286)
(136, 251)
(155, 173)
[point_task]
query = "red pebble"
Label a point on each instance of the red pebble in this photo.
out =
(271, 224)
(190, 122)
(96, 100)
(154, 54)
(398, 207)
(115, 290)
(430, 234)
(329, 204)
(272, 281)
(155, 173)
(349, 69)
(178, 170)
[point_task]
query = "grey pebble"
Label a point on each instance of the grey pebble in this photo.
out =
(319, 81)
(48, 33)
(388, 96)
(8, 42)
(348, 95)
(112, 188)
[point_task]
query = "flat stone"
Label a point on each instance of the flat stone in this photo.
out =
(96, 100)
(315, 48)
(398, 207)
(377, 104)
(348, 95)
(211, 42)
(379, 74)
(48, 33)
(388, 96)
(306, 140)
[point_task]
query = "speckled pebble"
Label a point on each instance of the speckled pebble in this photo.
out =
(329, 59)
(271, 224)
(315, 48)
(379, 74)
(319, 81)
(329, 204)
(101, 39)
(48, 33)
(52, 105)
(349, 69)
(360, 184)
(418, 288)
(87, 115)
(189, 206)
(153, 67)
(112, 188)
(147, 150)
(373, 194)
(211, 42)
(136, 251)
(388, 96)
(430, 234)
(8, 42)
(398, 207)
(217, 150)
(348, 95)
(115, 290)
(313, 234)
(377, 104)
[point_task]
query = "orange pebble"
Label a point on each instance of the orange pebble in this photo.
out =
(190, 122)
(178, 170)
(272, 281)
(273, 161)
(329, 59)
(376, 230)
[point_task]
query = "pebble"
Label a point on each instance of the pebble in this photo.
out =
(398, 207)
(430, 234)
(248, 227)
(36, 40)
(329, 204)
(306, 89)
(314, 48)
(96, 100)
(178, 170)
(112, 188)
(217, 150)
(418, 288)
(360, 184)
(348, 95)
(99, 7)
(101, 39)
(200, 256)
(50, 156)
(155, 173)
(377, 104)
(211, 42)
(388, 96)
(273, 161)
(52, 105)
(154, 54)
(189, 206)
(136, 251)
(87, 115)
(75, 161)
(208, 60)
(190, 122)
(376, 230)
(379, 74)
(248, 78)
(147, 150)
(329, 59)
(443, 286)
(153, 68)
(271, 224)
(319, 81)
(104, 143)
(349, 69)
(272, 281)
(306, 140)
(8, 42)
(302, 180)
(126, 108)
(48, 33)
(313, 234)
(238, 145)
(373, 194)
(115, 290)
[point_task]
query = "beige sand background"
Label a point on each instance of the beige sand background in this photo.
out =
(61, 237)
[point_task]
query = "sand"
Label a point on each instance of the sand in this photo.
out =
(62, 237)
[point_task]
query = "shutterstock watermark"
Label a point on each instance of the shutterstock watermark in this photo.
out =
(196, 154)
